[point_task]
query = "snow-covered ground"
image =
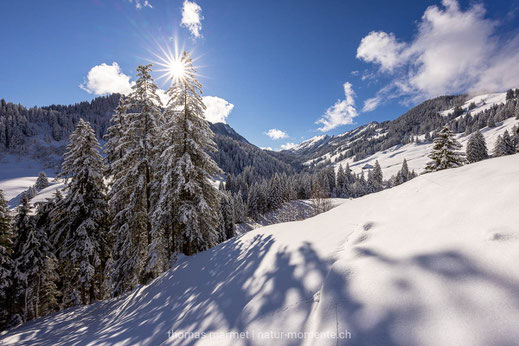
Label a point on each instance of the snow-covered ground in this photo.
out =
(430, 262)
(290, 211)
(417, 154)
(482, 102)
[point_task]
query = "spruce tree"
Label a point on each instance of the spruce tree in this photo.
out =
(42, 181)
(476, 148)
(187, 196)
(341, 182)
(445, 152)
(31, 250)
(6, 263)
(133, 149)
(81, 231)
(403, 174)
(378, 180)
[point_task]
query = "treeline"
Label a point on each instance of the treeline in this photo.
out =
(18, 123)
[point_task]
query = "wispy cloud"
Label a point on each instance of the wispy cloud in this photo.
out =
(276, 134)
(454, 51)
(217, 109)
(141, 4)
(341, 113)
(192, 17)
(106, 79)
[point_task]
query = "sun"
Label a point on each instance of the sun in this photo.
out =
(172, 64)
(176, 69)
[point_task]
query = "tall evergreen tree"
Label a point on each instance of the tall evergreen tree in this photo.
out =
(133, 149)
(6, 263)
(445, 152)
(81, 228)
(505, 145)
(187, 196)
(476, 148)
(30, 261)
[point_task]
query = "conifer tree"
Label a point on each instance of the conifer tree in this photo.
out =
(30, 261)
(187, 197)
(42, 181)
(445, 152)
(476, 148)
(81, 230)
(341, 181)
(114, 147)
(378, 180)
(133, 149)
(227, 215)
(6, 263)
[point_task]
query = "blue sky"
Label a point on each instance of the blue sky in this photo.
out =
(283, 65)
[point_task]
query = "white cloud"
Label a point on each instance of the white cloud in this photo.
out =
(217, 109)
(381, 48)
(139, 4)
(266, 148)
(276, 134)
(341, 113)
(106, 79)
(288, 146)
(454, 51)
(192, 18)
(371, 103)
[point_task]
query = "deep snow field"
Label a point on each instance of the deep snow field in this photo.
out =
(433, 261)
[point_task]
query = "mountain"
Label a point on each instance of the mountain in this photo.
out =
(410, 135)
(40, 135)
(432, 261)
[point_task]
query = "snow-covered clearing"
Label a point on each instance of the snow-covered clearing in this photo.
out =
(290, 211)
(430, 262)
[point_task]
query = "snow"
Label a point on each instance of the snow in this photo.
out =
(290, 211)
(430, 262)
(483, 102)
(309, 143)
(417, 154)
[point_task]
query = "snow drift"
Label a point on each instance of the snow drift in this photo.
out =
(430, 262)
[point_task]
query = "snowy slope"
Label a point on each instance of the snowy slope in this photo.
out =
(417, 154)
(482, 102)
(430, 262)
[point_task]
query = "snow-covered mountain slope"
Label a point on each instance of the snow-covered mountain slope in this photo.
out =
(417, 154)
(430, 262)
(482, 103)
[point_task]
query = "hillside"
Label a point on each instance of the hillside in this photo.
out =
(410, 135)
(432, 261)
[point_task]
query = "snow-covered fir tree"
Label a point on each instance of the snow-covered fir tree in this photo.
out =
(133, 149)
(476, 148)
(30, 255)
(114, 147)
(42, 181)
(341, 182)
(80, 231)
(445, 152)
(6, 263)
(377, 178)
(227, 211)
(188, 201)
(505, 145)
